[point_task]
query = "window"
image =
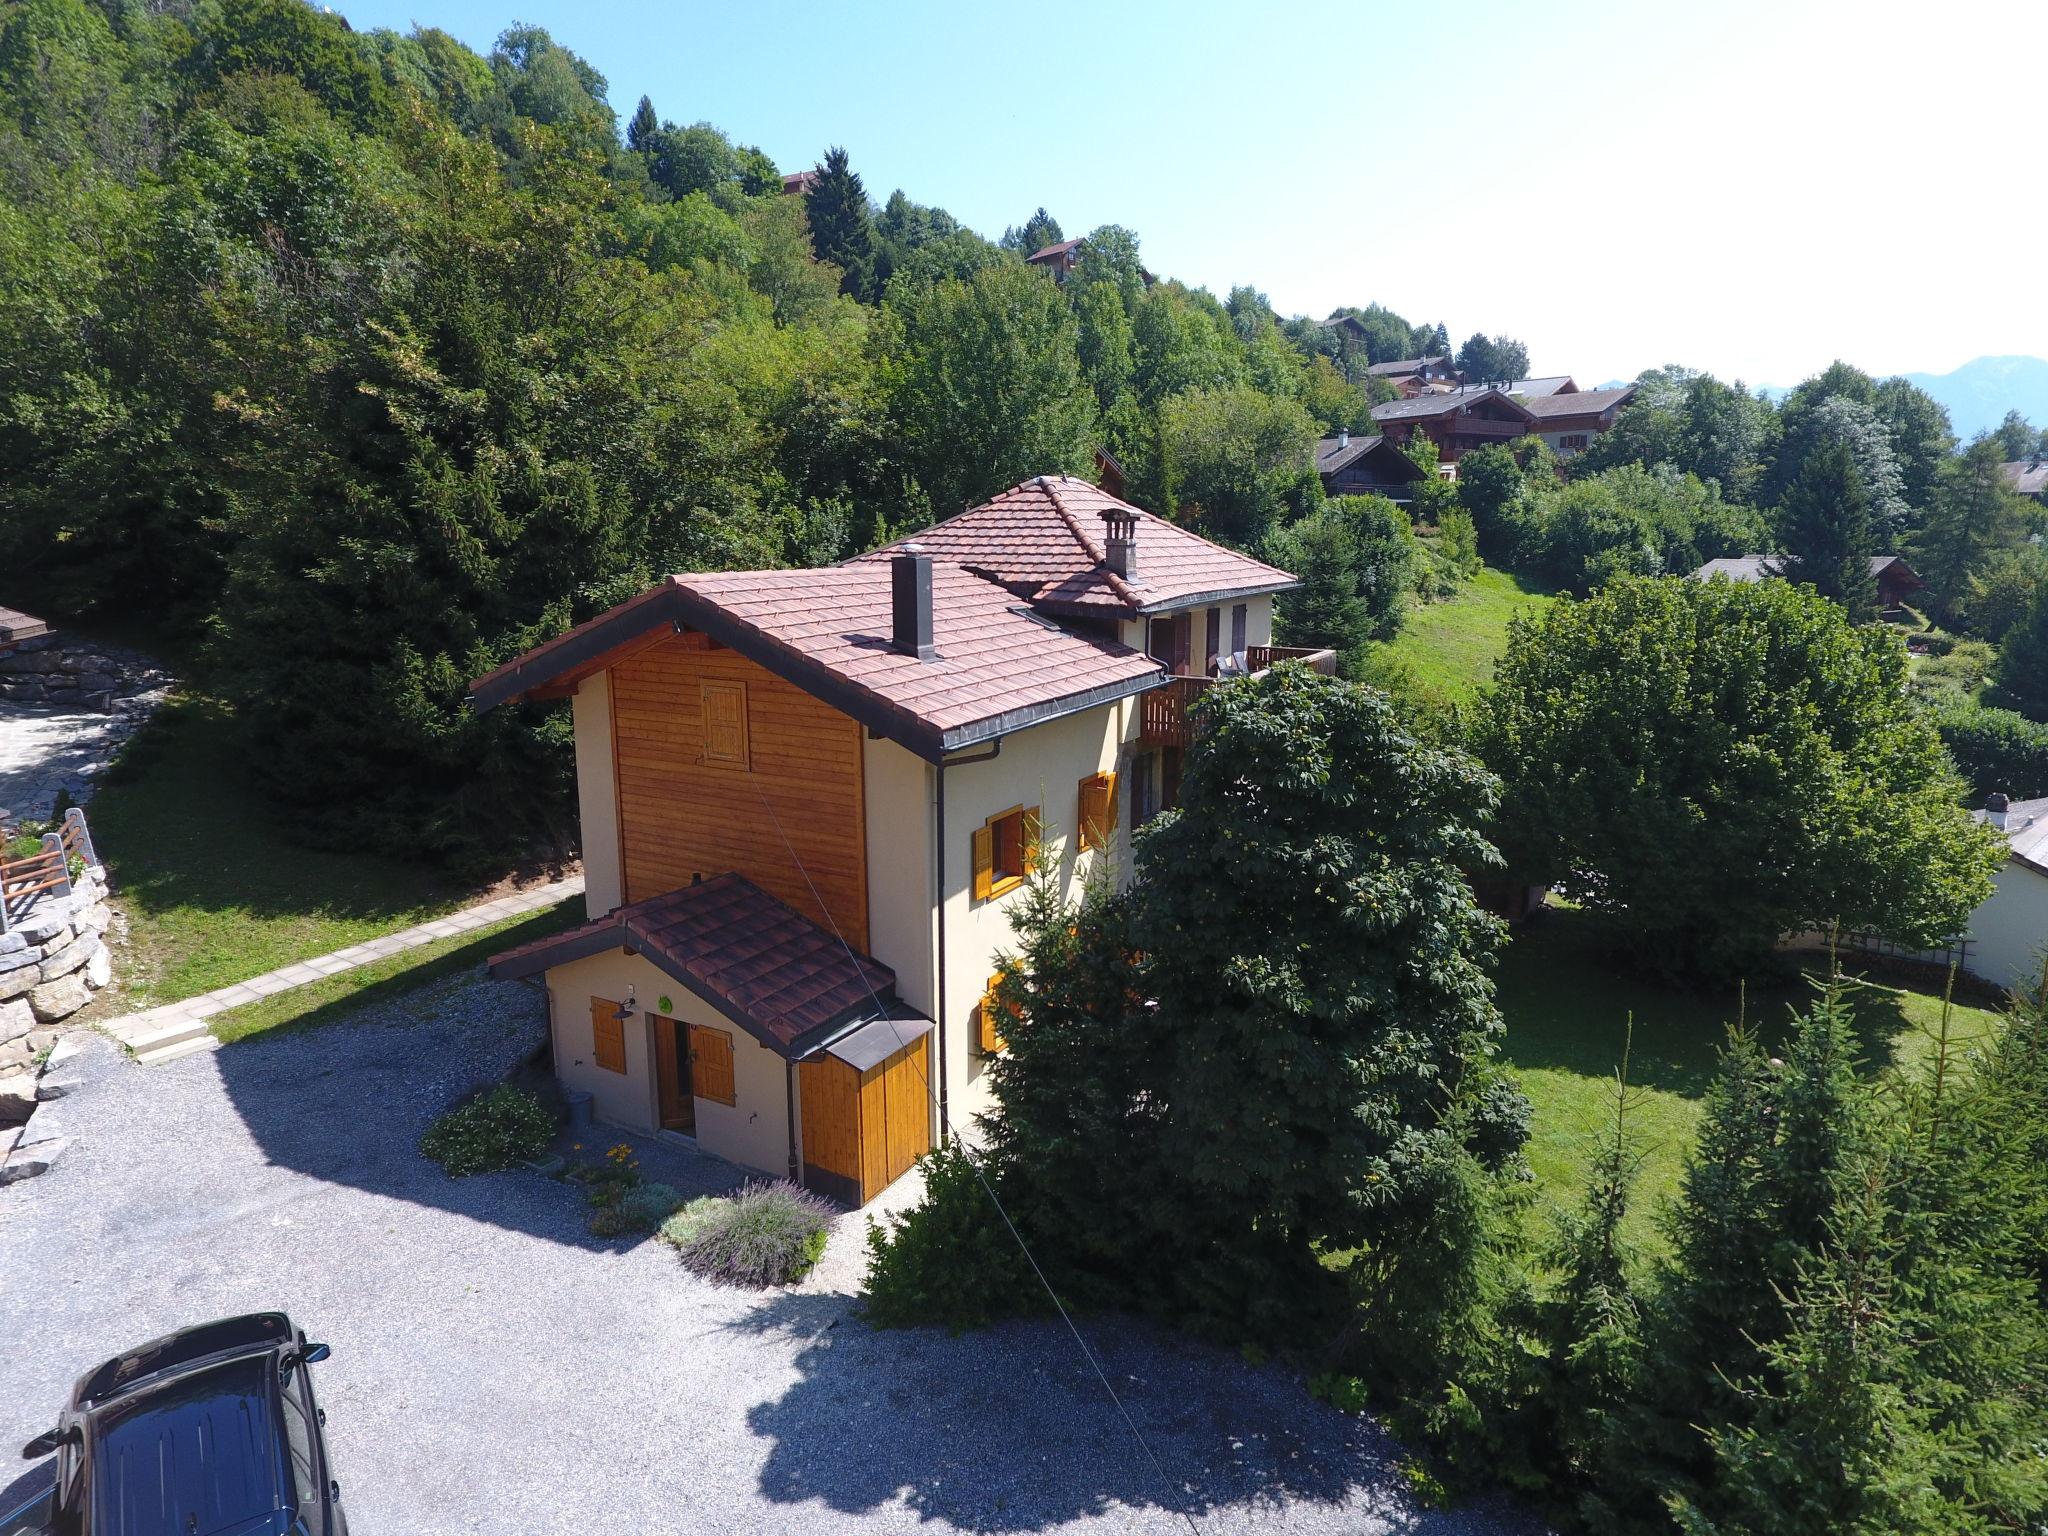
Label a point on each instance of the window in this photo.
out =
(989, 1017)
(300, 1436)
(1098, 810)
(1144, 790)
(1212, 641)
(725, 723)
(1572, 441)
(607, 1035)
(1005, 851)
(711, 1065)
(1237, 631)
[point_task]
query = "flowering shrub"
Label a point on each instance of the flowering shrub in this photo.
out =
(766, 1234)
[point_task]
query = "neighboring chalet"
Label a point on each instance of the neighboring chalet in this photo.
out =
(1365, 466)
(1457, 422)
(1569, 420)
(1896, 580)
(2028, 476)
(1415, 374)
(799, 183)
(2008, 937)
(810, 799)
(1063, 256)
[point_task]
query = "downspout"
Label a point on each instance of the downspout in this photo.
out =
(789, 1119)
(939, 1008)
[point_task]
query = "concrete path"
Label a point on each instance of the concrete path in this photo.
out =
(180, 1028)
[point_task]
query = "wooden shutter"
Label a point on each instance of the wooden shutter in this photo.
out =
(725, 722)
(990, 1035)
(1098, 809)
(711, 1065)
(1237, 618)
(984, 862)
(1028, 860)
(607, 1035)
(1212, 638)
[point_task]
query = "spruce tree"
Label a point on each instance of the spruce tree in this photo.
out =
(1325, 610)
(2021, 671)
(1824, 530)
(641, 129)
(842, 225)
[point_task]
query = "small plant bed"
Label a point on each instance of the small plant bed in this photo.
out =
(765, 1234)
(621, 1202)
(502, 1127)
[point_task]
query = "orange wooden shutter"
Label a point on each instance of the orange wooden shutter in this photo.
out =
(725, 722)
(984, 862)
(991, 1039)
(1098, 809)
(607, 1035)
(711, 1065)
(1029, 862)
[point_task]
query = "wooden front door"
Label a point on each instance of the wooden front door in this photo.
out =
(678, 1105)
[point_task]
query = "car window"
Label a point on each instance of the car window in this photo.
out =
(298, 1431)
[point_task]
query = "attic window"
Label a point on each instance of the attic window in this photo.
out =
(1005, 851)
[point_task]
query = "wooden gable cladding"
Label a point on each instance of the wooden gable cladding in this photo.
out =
(712, 754)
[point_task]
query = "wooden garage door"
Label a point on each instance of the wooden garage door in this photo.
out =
(863, 1130)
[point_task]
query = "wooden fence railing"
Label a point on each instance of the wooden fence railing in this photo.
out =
(1163, 711)
(1259, 657)
(26, 881)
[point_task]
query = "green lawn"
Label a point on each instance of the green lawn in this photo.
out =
(334, 998)
(1567, 1011)
(1450, 647)
(214, 890)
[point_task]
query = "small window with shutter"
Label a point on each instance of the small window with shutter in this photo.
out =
(1005, 851)
(711, 1065)
(607, 1035)
(1098, 809)
(725, 723)
(995, 1008)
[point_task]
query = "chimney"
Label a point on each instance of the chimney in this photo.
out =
(1120, 547)
(910, 602)
(1995, 808)
(1343, 437)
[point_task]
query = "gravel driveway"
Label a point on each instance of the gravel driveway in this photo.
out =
(497, 1369)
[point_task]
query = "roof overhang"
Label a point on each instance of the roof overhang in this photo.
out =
(1219, 595)
(594, 645)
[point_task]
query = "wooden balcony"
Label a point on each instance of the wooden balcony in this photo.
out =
(1164, 713)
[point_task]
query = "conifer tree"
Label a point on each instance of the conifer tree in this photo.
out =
(2021, 671)
(641, 129)
(842, 224)
(1824, 529)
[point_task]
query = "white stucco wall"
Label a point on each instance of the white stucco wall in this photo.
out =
(1258, 627)
(2009, 933)
(753, 1131)
(597, 798)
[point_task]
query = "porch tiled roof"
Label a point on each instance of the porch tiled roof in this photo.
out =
(757, 960)
(1043, 541)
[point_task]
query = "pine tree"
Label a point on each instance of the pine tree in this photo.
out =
(1824, 530)
(641, 130)
(1974, 513)
(842, 224)
(1326, 609)
(2021, 671)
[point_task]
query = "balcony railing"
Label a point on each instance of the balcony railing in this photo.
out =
(1164, 713)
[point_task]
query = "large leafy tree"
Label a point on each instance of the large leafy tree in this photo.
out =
(1236, 459)
(1710, 766)
(984, 382)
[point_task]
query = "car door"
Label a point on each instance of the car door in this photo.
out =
(301, 1431)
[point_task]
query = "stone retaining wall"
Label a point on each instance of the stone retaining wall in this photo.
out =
(53, 961)
(41, 670)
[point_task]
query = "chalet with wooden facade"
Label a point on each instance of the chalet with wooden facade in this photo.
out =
(1896, 581)
(809, 799)
(1569, 421)
(2029, 477)
(1365, 465)
(1456, 422)
(1414, 375)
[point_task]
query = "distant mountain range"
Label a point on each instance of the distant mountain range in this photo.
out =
(1979, 393)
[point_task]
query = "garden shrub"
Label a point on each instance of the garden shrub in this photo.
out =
(1998, 750)
(764, 1234)
(948, 1261)
(647, 1206)
(500, 1128)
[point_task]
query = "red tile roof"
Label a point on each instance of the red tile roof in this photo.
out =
(1043, 540)
(761, 963)
(999, 667)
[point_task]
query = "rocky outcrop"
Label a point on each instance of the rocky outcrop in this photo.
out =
(29, 1144)
(53, 961)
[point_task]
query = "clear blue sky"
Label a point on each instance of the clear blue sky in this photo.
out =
(1754, 188)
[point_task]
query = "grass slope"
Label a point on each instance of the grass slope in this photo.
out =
(1567, 1011)
(214, 890)
(1451, 646)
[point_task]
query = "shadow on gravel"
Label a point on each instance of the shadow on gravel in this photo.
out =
(347, 1104)
(1009, 1430)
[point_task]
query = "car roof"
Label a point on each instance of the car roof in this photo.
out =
(200, 1453)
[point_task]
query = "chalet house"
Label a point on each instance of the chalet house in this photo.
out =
(1415, 374)
(1366, 465)
(1570, 420)
(1896, 580)
(1063, 256)
(799, 183)
(2028, 476)
(1457, 422)
(2008, 938)
(809, 799)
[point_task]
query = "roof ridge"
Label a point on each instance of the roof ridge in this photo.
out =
(1089, 547)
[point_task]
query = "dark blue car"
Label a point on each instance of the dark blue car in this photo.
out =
(210, 1431)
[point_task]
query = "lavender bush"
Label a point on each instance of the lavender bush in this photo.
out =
(766, 1234)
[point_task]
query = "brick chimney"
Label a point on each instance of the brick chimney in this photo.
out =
(1120, 541)
(910, 602)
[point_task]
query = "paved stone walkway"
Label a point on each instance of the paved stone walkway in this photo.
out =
(176, 1029)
